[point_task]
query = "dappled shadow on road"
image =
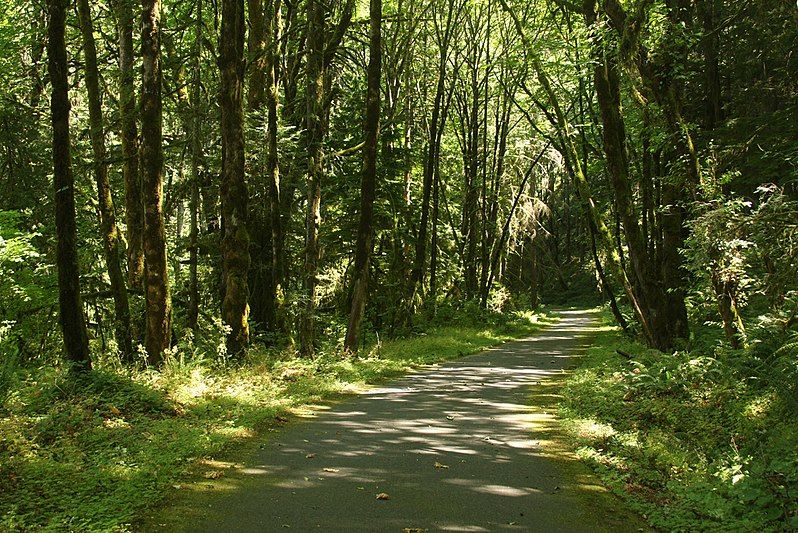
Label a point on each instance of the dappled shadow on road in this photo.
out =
(458, 447)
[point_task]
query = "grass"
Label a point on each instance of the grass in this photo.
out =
(97, 454)
(696, 441)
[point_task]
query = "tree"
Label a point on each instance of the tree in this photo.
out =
(235, 240)
(320, 51)
(134, 205)
(109, 232)
(196, 161)
(73, 323)
(314, 90)
(365, 233)
(156, 284)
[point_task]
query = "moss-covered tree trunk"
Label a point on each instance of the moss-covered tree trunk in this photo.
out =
(73, 323)
(134, 205)
(196, 161)
(156, 283)
(365, 232)
(109, 232)
(273, 38)
(234, 195)
(314, 125)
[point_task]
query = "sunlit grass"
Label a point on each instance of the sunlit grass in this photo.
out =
(93, 455)
(694, 440)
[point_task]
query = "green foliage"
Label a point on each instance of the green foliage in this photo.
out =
(697, 441)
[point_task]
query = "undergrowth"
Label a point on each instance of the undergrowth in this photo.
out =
(94, 453)
(697, 441)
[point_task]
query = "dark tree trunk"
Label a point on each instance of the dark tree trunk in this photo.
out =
(606, 287)
(433, 252)
(159, 303)
(709, 15)
(274, 36)
(256, 50)
(314, 72)
(233, 192)
(196, 161)
(365, 233)
(109, 232)
(73, 323)
(261, 284)
(433, 152)
(134, 204)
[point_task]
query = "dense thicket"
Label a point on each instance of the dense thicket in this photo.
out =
(313, 168)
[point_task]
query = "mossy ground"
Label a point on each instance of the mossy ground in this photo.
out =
(699, 440)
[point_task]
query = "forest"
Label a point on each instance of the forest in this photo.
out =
(214, 213)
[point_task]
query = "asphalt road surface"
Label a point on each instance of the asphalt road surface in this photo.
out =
(471, 445)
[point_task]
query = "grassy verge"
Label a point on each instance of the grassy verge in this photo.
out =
(95, 454)
(695, 441)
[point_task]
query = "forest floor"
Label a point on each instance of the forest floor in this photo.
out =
(471, 445)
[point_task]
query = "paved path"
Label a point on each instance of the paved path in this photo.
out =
(455, 448)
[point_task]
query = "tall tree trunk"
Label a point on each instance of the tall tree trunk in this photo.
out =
(274, 36)
(159, 302)
(134, 204)
(534, 289)
(433, 152)
(109, 232)
(73, 323)
(365, 233)
(256, 50)
(314, 72)
(196, 161)
(233, 192)
(433, 251)
(709, 15)
(261, 300)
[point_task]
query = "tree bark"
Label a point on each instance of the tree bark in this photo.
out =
(274, 36)
(71, 318)
(234, 196)
(196, 161)
(365, 234)
(709, 15)
(261, 298)
(134, 204)
(314, 124)
(256, 50)
(159, 303)
(109, 232)
(433, 152)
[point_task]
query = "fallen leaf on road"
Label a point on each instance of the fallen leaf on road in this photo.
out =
(383, 496)
(440, 465)
(450, 417)
(331, 470)
(310, 456)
